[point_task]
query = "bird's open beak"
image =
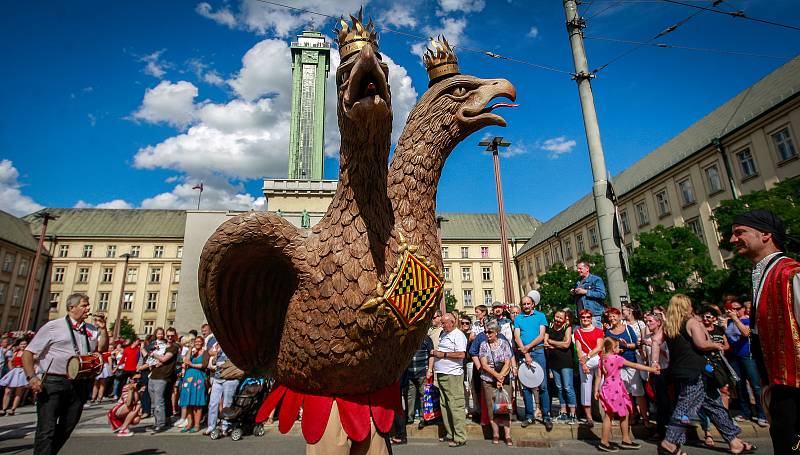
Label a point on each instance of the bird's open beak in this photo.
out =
(367, 88)
(477, 111)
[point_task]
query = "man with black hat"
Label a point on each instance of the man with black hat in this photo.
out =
(760, 236)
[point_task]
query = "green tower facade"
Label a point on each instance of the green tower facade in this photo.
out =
(310, 67)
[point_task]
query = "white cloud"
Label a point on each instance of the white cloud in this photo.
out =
(92, 119)
(558, 146)
(203, 73)
(451, 28)
(223, 16)
(154, 65)
(264, 18)
(533, 32)
(11, 198)
(514, 150)
(219, 196)
(264, 71)
(213, 78)
(169, 103)
(113, 204)
(464, 6)
(400, 15)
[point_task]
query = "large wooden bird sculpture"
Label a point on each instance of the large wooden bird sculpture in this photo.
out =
(335, 313)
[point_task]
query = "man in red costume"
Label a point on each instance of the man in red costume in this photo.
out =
(760, 236)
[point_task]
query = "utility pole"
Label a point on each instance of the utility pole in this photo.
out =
(439, 221)
(31, 284)
(492, 146)
(617, 286)
(117, 321)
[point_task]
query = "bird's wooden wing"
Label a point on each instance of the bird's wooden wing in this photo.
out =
(246, 278)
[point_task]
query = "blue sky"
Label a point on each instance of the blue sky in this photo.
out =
(130, 104)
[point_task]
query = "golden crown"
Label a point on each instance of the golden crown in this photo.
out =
(352, 38)
(440, 61)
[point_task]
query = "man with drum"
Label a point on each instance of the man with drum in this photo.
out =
(529, 330)
(63, 389)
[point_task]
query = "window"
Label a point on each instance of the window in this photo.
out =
(746, 163)
(170, 322)
(568, 248)
(445, 252)
(484, 252)
(83, 275)
(111, 251)
(16, 297)
(467, 298)
(127, 301)
(447, 273)
(530, 267)
(54, 298)
(23, 267)
(132, 275)
(784, 145)
(135, 250)
(87, 251)
(3, 287)
(176, 277)
(579, 243)
(108, 274)
(592, 237)
(179, 253)
(486, 273)
(547, 259)
(697, 227)
(173, 301)
(102, 301)
(623, 219)
(158, 251)
(662, 203)
(63, 251)
(487, 297)
(538, 264)
(714, 179)
(641, 213)
(152, 301)
(8, 263)
(155, 274)
(466, 273)
(687, 191)
(148, 327)
(464, 252)
(58, 275)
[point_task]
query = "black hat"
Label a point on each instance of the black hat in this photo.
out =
(764, 221)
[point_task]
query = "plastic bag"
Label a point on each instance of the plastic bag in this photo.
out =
(431, 409)
(502, 403)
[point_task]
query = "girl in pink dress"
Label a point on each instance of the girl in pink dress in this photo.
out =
(613, 396)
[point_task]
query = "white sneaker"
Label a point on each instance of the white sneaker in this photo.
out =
(180, 423)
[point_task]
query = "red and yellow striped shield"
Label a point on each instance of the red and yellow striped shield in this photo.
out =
(414, 290)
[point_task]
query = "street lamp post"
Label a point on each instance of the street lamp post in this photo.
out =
(127, 257)
(31, 284)
(492, 146)
(439, 221)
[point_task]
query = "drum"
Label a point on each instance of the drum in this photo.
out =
(532, 376)
(84, 366)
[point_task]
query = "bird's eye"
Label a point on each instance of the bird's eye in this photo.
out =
(459, 91)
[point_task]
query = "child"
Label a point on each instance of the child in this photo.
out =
(613, 395)
(128, 410)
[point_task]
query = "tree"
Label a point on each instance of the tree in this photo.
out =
(668, 261)
(450, 303)
(554, 287)
(126, 329)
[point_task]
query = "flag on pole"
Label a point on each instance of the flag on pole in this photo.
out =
(198, 187)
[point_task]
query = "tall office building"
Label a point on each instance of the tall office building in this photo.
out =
(310, 66)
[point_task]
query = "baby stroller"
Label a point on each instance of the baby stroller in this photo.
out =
(241, 415)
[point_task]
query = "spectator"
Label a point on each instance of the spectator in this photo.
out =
(629, 344)
(129, 362)
(415, 376)
(687, 341)
(5, 355)
(513, 311)
(558, 345)
(99, 389)
(741, 359)
(160, 376)
(631, 317)
(471, 369)
(613, 396)
(128, 410)
(659, 355)
(480, 319)
(208, 337)
(185, 349)
(716, 333)
(588, 344)
(222, 389)
(495, 356)
(193, 390)
(589, 293)
(448, 363)
(14, 381)
(529, 332)
(436, 328)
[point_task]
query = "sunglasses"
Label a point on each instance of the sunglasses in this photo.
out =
(586, 317)
(465, 322)
(736, 308)
(490, 332)
(708, 316)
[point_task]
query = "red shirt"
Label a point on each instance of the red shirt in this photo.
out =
(587, 340)
(130, 358)
(16, 361)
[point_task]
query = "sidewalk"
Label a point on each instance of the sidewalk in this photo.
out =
(93, 422)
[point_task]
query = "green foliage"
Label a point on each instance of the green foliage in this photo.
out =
(450, 302)
(554, 287)
(668, 261)
(126, 329)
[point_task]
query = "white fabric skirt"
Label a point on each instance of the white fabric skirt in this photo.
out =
(14, 378)
(105, 372)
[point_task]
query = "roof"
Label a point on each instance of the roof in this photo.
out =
(17, 231)
(484, 226)
(774, 89)
(113, 223)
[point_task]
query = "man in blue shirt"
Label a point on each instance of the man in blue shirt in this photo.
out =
(529, 330)
(589, 292)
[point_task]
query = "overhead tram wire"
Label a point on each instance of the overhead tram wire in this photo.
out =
(423, 38)
(688, 48)
(735, 14)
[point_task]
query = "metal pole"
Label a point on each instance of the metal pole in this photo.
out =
(617, 287)
(492, 146)
(31, 284)
(443, 300)
(127, 257)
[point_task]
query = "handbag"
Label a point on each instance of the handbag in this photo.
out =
(431, 408)
(502, 403)
(719, 372)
